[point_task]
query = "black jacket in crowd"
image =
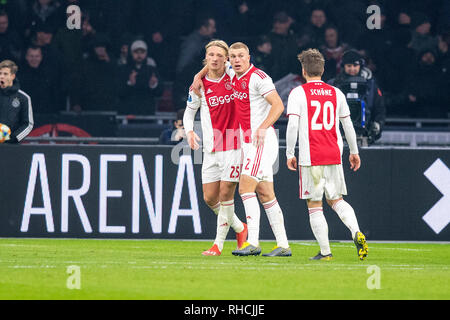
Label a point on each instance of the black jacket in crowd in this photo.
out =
(16, 112)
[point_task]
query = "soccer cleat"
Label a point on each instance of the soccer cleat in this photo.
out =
(319, 256)
(214, 251)
(279, 252)
(241, 237)
(247, 250)
(361, 245)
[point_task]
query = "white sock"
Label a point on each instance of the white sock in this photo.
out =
(236, 223)
(319, 228)
(276, 220)
(216, 208)
(347, 216)
(224, 217)
(253, 213)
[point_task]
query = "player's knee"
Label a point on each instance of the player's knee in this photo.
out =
(209, 200)
(265, 194)
(227, 192)
(332, 203)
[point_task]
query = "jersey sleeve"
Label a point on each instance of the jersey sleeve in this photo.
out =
(344, 109)
(193, 101)
(229, 70)
(263, 83)
(294, 103)
(192, 105)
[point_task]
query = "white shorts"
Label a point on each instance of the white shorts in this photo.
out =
(317, 180)
(221, 166)
(257, 163)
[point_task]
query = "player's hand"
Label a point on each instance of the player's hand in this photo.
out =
(292, 164)
(193, 140)
(259, 137)
(197, 86)
(355, 162)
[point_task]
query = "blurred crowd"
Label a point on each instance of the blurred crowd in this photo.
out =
(126, 52)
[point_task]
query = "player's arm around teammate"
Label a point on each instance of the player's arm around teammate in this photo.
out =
(221, 161)
(259, 107)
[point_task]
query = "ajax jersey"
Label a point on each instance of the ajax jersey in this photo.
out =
(250, 90)
(218, 114)
(319, 107)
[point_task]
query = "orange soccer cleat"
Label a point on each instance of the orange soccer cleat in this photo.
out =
(241, 237)
(214, 251)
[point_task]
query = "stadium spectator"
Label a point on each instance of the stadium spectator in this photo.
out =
(43, 38)
(425, 97)
(374, 43)
(191, 56)
(366, 102)
(333, 49)
(97, 87)
(175, 134)
(69, 42)
(312, 35)
(139, 83)
(15, 105)
(404, 18)
(444, 63)
(422, 39)
(52, 58)
(17, 10)
(89, 32)
(443, 53)
(44, 12)
(124, 50)
(350, 17)
(40, 82)
(230, 16)
(284, 46)
(398, 61)
(262, 56)
(11, 43)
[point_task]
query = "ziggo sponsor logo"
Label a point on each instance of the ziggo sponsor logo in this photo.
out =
(215, 101)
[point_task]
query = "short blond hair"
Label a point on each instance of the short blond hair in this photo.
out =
(240, 45)
(9, 65)
(218, 43)
(312, 62)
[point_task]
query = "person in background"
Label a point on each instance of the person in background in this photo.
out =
(10, 42)
(333, 50)
(263, 57)
(176, 134)
(39, 81)
(364, 97)
(16, 110)
(139, 83)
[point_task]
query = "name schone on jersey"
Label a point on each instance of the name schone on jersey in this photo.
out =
(319, 106)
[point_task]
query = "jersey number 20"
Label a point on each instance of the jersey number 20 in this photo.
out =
(327, 114)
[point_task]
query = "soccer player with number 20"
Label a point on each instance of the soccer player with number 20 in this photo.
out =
(314, 111)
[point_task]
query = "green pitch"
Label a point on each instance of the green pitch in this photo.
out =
(176, 270)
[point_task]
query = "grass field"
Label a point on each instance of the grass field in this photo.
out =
(175, 270)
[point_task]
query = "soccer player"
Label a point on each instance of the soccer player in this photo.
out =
(221, 144)
(258, 107)
(314, 111)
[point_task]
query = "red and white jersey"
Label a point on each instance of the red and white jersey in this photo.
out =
(218, 114)
(250, 90)
(319, 107)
